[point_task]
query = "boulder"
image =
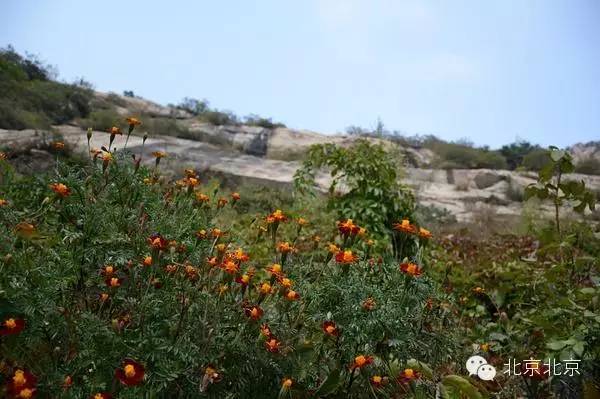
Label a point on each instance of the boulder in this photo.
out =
(487, 179)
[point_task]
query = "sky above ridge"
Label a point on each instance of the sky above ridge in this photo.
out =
(490, 71)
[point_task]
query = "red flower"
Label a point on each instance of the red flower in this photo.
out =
(405, 226)
(346, 257)
(348, 228)
(265, 330)
(157, 241)
(330, 328)
(378, 381)
(253, 312)
(21, 385)
(361, 361)
(60, 189)
(12, 325)
(113, 282)
(240, 255)
(235, 197)
(243, 280)
(101, 395)
(292, 295)
(131, 373)
(411, 268)
(272, 344)
(276, 217)
(407, 375)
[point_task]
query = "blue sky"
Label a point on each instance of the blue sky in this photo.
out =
(490, 71)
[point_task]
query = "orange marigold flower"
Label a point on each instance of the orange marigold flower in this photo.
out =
(60, 189)
(369, 304)
(133, 122)
(408, 375)
(190, 182)
(346, 257)
(275, 269)
(286, 282)
(244, 279)
(130, 373)
(147, 261)
(58, 145)
(378, 381)
(411, 269)
(170, 269)
(286, 384)
(348, 228)
(159, 154)
(104, 297)
(235, 197)
(221, 202)
(332, 248)
(361, 361)
(106, 156)
(272, 344)
(101, 395)
(202, 197)
(285, 247)
(212, 261)
(292, 295)
(191, 272)
(211, 376)
(265, 330)
(3, 202)
(157, 241)
(240, 255)
(221, 248)
(302, 222)
(114, 131)
(484, 347)
(108, 270)
(265, 288)
(330, 328)
(216, 233)
(21, 385)
(253, 312)
(11, 326)
(276, 217)
(424, 233)
(479, 290)
(405, 226)
(201, 234)
(113, 282)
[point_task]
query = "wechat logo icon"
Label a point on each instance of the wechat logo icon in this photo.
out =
(477, 365)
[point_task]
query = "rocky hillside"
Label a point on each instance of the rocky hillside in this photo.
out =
(251, 154)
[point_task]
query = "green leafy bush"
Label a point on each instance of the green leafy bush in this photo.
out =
(115, 280)
(364, 184)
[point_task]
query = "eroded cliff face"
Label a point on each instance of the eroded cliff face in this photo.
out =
(257, 155)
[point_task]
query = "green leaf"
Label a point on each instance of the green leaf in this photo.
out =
(556, 345)
(462, 385)
(330, 384)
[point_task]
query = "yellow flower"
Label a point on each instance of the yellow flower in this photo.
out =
(159, 154)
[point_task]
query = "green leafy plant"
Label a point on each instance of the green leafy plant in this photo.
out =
(365, 184)
(551, 186)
